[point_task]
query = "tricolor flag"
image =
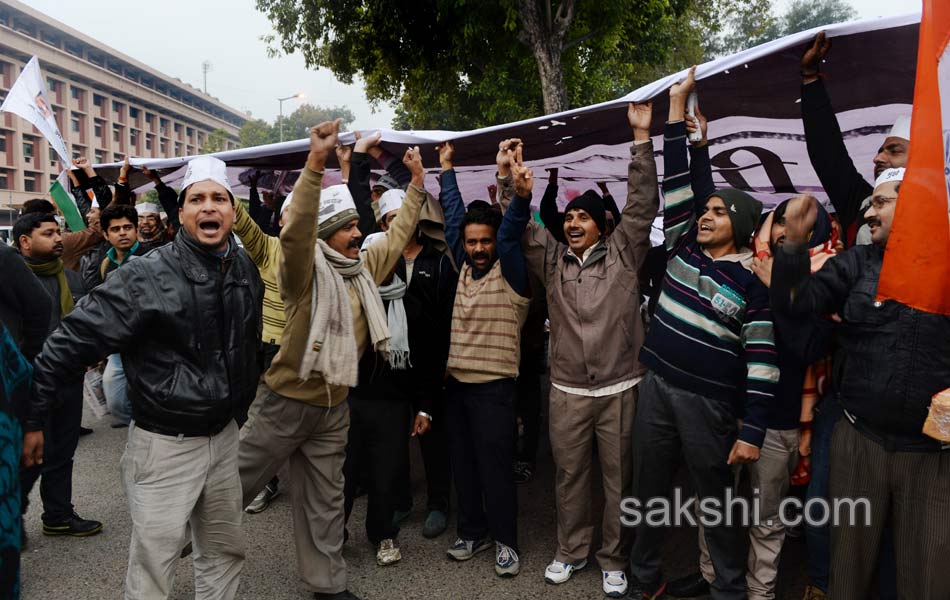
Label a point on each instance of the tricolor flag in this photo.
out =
(916, 268)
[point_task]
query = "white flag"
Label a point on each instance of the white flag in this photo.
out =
(28, 99)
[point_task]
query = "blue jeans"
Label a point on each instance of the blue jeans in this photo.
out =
(818, 539)
(114, 386)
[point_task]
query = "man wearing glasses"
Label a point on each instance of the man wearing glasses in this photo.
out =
(891, 360)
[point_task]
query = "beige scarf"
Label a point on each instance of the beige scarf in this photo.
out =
(331, 350)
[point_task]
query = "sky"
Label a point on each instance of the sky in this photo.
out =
(178, 35)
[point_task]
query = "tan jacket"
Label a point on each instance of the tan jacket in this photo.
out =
(596, 328)
(295, 279)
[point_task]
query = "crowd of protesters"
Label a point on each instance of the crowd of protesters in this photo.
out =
(315, 335)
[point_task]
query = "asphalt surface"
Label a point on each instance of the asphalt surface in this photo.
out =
(94, 568)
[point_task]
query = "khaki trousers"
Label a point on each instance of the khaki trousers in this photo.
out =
(171, 483)
(575, 421)
(313, 438)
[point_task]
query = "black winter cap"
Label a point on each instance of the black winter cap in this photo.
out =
(591, 203)
(744, 212)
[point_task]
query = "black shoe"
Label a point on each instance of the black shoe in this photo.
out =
(690, 586)
(645, 591)
(523, 472)
(186, 551)
(74, 526)
(84, 431)
(344, 595)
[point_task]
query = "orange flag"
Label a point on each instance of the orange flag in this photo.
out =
(916, 268)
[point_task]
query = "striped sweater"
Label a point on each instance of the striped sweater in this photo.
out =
(712, 332)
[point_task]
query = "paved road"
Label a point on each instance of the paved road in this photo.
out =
(94, 568)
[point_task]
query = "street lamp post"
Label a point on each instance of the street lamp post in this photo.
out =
(281, 104)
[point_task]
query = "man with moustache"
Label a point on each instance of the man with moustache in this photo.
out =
(186, 319)
(40, 241)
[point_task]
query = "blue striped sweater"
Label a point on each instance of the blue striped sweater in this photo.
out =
(712, 331)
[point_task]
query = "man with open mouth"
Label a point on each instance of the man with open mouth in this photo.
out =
(189, 350)
(334, 313)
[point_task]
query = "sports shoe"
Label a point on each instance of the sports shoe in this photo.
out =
(523, 471)
(466, 549)
(388, 553)
(688, 586)
(615, 584)
(263, 499)
(506, 561)
(74, 526)
(646, 591)
(558, 572)
(435, 524)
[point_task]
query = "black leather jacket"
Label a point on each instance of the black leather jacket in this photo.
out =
(188, 326)
(891, 358)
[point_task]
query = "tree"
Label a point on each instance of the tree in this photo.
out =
(256, 132)
(748, 29)
(460, 64)
(216, 141)
(298, 124)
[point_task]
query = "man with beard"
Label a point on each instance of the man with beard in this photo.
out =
(891, 360)
(334, 313)
(491, 304)
(846, 187)
(41, 243)
(187, 320)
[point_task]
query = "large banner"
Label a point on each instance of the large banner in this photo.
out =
(28, 99)
(752, 99)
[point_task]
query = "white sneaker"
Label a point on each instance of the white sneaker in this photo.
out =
(507, 563)
(558, 572)
(388, 553)
(615, 584)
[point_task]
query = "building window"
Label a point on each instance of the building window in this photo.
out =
(97, 129)
(100, 156)
(3, 142)
(4, 181)
(75, 92)
(116, 107)
(51, 84)
(118, 157)
(133, 113)
(148, 118)
(116, 133)
(148, 142)
(74, 124)
(97, 100)
(29, 182)
(189, 132)
(162, 147)
(27, 150)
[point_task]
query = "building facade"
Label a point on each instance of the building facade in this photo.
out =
(107, 105)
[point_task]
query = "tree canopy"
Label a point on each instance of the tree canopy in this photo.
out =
(257, 132)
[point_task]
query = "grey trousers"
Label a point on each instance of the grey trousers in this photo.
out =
(313, 438)
(171, 483)
(911, 491)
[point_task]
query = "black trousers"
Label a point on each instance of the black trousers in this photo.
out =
(61, 438)
(434, 446)
(529, 404)
(376, 453)
(481, 420)
(670, 421)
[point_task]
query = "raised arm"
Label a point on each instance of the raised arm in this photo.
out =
(513, 224)
(166, 197)
(845, 186)
(299, 235)
(358, 182)
(632, 235)
(679, 210)
(453, 207)
(381, 258)
(255, 241)
(391, 163)
(700, 167)
(552, 218)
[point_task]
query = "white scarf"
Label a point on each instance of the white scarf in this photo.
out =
(398, 324)
(331, 350)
